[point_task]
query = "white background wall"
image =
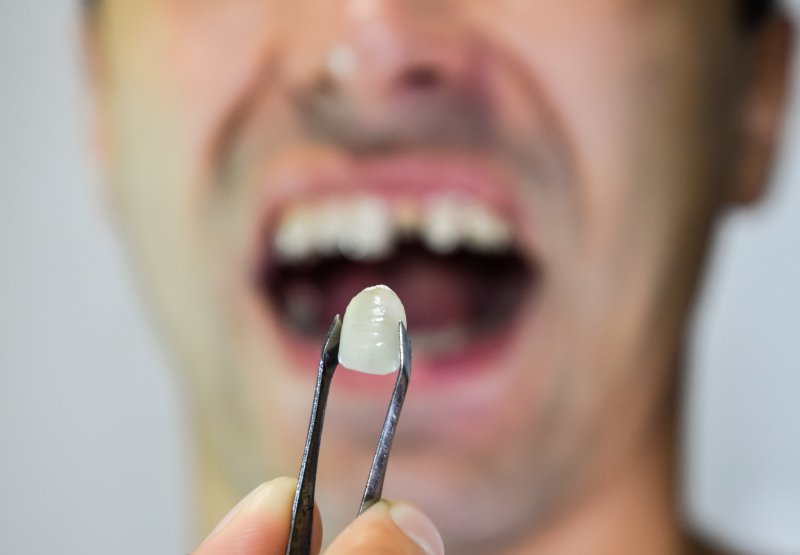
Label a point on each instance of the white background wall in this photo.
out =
(93, 454)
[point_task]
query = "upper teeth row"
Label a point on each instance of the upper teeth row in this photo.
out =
(367, 227)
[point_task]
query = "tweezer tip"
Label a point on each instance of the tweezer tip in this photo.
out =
(334, 333)
(405, 349)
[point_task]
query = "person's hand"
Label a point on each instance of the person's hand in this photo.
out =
(259, 525)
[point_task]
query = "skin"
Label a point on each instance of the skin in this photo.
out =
(627, 127)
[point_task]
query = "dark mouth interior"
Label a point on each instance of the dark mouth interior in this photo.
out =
(465, 293)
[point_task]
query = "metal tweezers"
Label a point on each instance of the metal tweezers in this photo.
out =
(303, 507)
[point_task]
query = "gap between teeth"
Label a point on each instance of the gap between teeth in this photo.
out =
(367, 227)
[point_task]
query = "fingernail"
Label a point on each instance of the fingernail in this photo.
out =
(418, 527)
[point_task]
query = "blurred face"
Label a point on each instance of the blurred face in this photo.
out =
(535, 179)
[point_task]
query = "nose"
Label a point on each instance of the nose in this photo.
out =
(377, 52)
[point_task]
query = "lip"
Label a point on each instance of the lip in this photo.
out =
(394, 178)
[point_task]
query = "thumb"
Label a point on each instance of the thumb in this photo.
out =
(389, 528)
(259, 524)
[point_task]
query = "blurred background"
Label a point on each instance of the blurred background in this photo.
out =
(93, 452)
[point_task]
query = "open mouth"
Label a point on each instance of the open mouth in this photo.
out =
(452, 258)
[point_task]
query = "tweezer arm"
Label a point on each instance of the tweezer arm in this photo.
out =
(372, 492)
(303, 507)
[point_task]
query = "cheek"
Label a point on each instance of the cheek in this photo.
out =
(214, 55)
(629, 93)
(182, 67)
(633, 103)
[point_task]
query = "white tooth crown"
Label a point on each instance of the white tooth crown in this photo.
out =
(367, 227)
(442, 224)
(293, 239)
(370, 340)
(483, 230)
(368, 234)
(330, 222)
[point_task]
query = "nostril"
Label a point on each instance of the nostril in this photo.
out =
(421, 78)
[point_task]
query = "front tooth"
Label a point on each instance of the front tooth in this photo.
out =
(442, 224)
(485, 230)
(293, 238)
(370, 340)
(329, 220)
(368, 234)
